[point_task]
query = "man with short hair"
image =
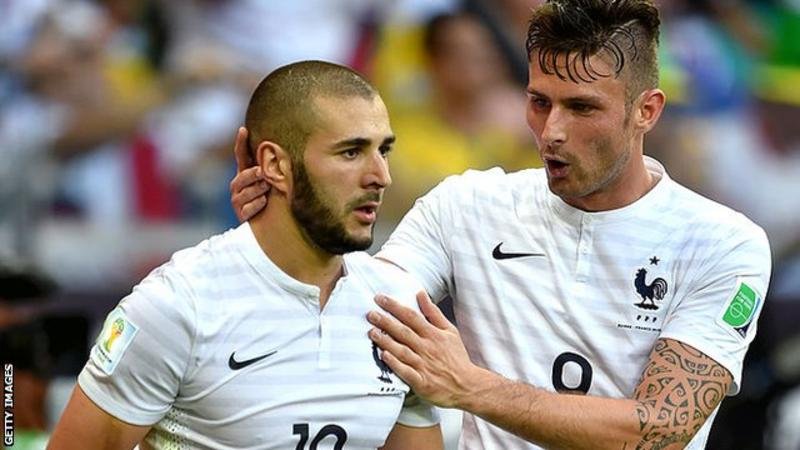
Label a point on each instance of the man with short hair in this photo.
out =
(599, 303)
(257, 338)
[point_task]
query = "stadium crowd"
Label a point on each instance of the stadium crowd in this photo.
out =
(117, 119)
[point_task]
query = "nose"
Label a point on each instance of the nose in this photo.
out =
(554, 132)
(377, 174)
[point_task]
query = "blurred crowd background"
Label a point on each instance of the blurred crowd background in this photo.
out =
(117, 119)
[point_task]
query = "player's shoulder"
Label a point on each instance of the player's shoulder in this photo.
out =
(377, 269)
(492, 184)
(712, 218)
(192, 268)
(382, 276)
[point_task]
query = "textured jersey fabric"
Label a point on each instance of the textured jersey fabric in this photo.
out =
(220, 349)
(566, 299)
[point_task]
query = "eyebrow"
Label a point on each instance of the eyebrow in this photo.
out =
(579, 98)
(362, 142)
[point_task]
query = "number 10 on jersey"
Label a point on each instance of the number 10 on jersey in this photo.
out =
(328, 430)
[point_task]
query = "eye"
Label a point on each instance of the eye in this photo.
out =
(385, 150)
(582, 108)
(539, 103)
(350, 153)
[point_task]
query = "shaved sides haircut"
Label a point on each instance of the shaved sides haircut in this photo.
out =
(566, 33)
(282, 108)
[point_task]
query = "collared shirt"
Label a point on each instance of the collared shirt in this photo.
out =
(574, 301)
(220, 349)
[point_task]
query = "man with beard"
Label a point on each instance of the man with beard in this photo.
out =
(257, 338)
(599, 303)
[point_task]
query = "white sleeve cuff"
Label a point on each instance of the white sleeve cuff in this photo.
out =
(418, 413)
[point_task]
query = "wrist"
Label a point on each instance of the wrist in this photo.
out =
(476, 382)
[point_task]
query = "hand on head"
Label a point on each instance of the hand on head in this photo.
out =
(248, 187)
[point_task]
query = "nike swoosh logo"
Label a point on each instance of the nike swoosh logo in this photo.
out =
(499, 254)
(236, 365)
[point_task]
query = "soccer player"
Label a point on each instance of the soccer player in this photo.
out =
(599, 303)
(257, 338)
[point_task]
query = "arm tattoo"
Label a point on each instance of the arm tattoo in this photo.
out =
(680, 388)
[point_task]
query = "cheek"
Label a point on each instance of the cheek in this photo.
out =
(534, 123)
(529, 117)
(605, 150)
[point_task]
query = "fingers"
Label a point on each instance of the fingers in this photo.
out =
(400, 351)
(402, 370)
(397, 330)
(432, 312)
(250, 209)
(249, 184)
(248, 193)
(240, 151)
(407, 316)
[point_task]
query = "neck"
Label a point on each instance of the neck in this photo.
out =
(282, 240)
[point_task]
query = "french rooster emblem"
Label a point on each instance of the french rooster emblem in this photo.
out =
(385, 370)
(649, 292)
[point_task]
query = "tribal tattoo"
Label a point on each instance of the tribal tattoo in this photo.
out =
(680, 388)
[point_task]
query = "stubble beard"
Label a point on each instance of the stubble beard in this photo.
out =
(318, 221)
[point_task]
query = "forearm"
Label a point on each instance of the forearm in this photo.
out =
(554, 420)
(678, 391)
(404, 437)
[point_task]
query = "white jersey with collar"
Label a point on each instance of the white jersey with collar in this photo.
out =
(220, 349)
(561, 298)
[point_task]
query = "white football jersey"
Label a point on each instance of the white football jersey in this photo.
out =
(574, 301)
(220, 349)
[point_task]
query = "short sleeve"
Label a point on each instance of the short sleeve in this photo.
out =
(417, 413)
(138, 362)
(419, 243)
(719, 314)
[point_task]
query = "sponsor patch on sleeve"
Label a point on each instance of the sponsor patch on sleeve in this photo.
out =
(739, 311)
(117, 335)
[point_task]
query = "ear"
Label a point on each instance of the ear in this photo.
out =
(649, 108)
(276, 165)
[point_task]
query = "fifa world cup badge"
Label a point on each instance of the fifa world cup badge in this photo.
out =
(118, 333)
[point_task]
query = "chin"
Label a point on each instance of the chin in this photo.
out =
(559, 187)
(361, 242)
(360, 233)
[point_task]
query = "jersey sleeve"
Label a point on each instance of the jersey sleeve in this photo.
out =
(403, 287)
(719, 315)
(137, 363)
(419, 243)
(417, 412)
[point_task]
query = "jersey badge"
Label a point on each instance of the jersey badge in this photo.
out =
(739, 311)
(385, 370)
(117, 334)
(651, 292)
(387, 385)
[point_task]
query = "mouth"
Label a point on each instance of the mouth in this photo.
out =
(367, 213)
(556, 168)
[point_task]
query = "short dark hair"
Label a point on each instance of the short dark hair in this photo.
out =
(579, 29)
(282, 109)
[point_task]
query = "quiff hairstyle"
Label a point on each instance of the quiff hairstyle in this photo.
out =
(575, 30)
(282, 108)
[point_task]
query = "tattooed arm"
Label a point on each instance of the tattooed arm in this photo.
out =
(679, 389)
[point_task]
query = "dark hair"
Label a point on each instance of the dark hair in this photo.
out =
(576, 30)
(282, 110)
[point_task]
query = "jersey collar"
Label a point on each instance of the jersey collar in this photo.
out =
(647, 204)
(265, 267)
